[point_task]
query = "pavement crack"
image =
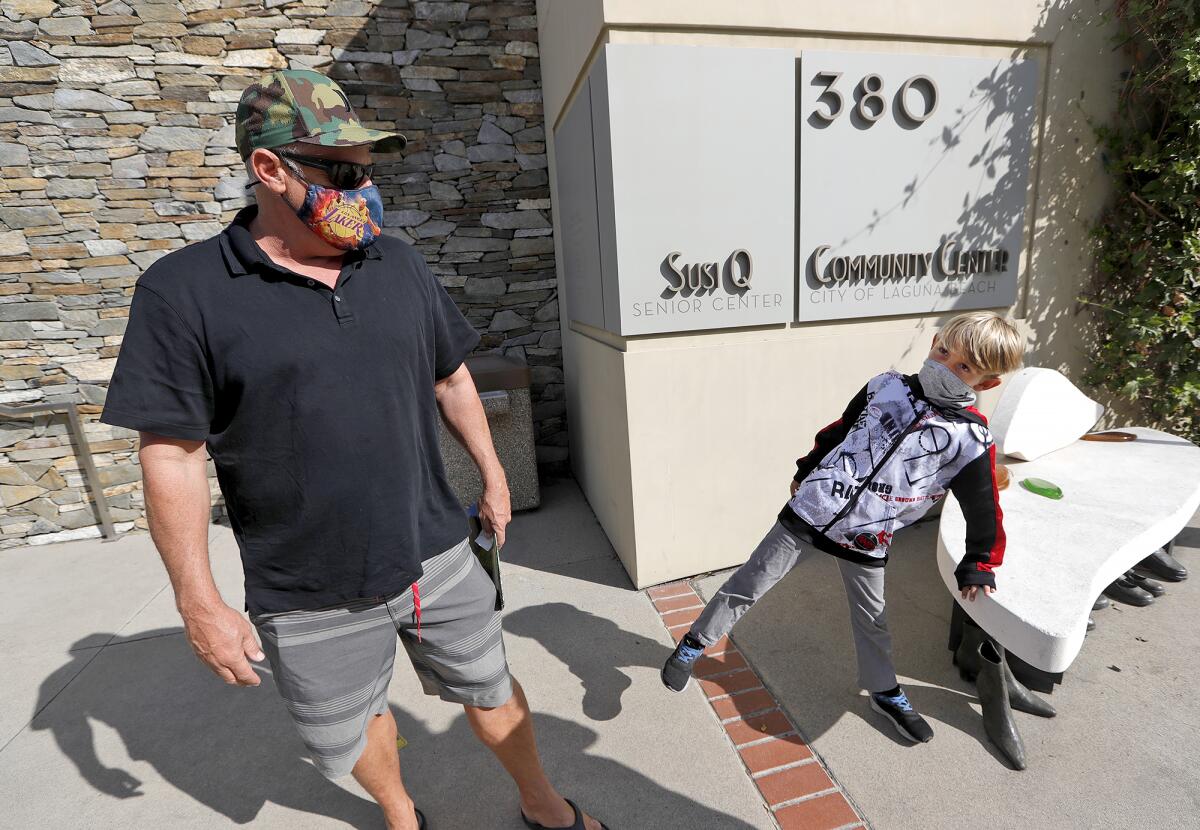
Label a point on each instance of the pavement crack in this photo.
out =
(134, 639)
(25, 726)
(83, 668)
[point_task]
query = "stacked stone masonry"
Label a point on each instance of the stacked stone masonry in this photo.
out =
(117, 146)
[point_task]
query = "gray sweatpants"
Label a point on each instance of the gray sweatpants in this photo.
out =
(776, 555)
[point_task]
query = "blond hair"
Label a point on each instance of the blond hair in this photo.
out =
(990, 342)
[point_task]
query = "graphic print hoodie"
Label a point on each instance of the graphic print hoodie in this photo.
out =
(880, 467)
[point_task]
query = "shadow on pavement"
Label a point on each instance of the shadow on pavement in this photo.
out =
(622, 798)
(593, 648)
(1189, 537)
(798, 637)
(563, 537)
(231, 749)
(235, 750)
(816, 651)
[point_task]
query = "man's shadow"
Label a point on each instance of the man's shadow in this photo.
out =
(468, 788)
(231, 749)
(235, 750)
(593, 648)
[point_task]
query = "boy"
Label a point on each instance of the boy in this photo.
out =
(901, 443)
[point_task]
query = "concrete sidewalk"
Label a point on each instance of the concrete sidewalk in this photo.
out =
(1117, 754)
(109, 721)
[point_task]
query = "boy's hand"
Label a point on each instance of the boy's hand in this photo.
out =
(971, 591)
(795, 486)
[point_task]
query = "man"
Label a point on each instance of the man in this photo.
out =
(313, 355)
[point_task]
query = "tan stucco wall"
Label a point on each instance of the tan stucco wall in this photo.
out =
(601, 455)
(713, 421)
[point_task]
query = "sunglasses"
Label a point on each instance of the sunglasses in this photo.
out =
(344, 175)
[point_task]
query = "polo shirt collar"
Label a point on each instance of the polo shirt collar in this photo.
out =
(242, 254)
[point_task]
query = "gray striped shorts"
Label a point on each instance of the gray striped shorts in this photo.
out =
(332, 666)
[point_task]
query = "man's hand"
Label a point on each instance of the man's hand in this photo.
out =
(175, 481)
(795, 486)
(463, 413)
(495, 511)
(224, 641)
(971, 591)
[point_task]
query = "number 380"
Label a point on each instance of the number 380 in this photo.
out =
(870, 105)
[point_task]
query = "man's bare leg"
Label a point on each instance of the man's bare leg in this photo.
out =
(507, 731)
(378, 770)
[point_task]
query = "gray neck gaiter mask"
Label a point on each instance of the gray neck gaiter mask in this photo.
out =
(944, 388)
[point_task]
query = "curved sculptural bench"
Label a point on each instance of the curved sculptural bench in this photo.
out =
(1121, 502)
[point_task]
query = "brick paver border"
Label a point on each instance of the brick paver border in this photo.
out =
(794, 783)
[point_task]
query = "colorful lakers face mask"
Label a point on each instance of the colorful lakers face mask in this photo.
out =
(346, 219)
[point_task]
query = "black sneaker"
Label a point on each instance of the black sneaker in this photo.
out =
(903, 716)
(677, 671)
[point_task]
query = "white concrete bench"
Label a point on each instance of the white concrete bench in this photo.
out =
(1121, 502)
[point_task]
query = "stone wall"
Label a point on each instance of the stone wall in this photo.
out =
(116, 147)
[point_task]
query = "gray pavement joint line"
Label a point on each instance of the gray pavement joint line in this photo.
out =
(795, 730)
(808, 742)
(754, 714)
(766, 738)
(739, 669)
(744, 715)
(737, 751)
(763, 773)
(809, 797)
(83, 668)
(726, 673)
(25, 726)
(730, 695)
(795, 727)
(728, 738)
(128, 640)
(729, 674)
(558, 563)
(673, 596)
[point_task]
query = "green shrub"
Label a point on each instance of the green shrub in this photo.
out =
(1147, 290)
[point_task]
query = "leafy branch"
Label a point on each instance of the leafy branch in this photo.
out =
(1146, 293)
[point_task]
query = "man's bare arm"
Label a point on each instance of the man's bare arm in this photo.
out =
(464, 416)
(175, 480)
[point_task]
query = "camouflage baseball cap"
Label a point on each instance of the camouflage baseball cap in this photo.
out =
(302, 105)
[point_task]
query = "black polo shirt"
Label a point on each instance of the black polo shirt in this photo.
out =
(317, 406)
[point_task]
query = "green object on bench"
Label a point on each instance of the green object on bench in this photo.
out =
(1042, 487)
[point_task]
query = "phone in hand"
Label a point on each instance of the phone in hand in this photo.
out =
(483, 545)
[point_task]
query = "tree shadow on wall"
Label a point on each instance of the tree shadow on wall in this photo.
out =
(1066, 174)
(1000, 111)
(1061, 192)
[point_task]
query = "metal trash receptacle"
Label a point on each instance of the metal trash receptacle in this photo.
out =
(503, 385)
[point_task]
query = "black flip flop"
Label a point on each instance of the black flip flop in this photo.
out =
(420, 819)
(578, 825)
